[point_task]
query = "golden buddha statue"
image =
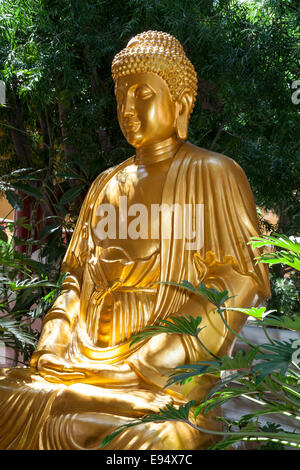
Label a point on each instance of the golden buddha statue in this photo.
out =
(84, 379)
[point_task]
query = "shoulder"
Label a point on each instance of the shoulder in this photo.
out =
(106, 174)
(212, 161)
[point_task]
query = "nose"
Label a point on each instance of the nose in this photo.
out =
(129, 105)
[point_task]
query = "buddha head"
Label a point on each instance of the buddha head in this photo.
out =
(155, 87)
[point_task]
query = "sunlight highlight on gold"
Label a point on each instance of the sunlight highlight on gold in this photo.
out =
(84, 379)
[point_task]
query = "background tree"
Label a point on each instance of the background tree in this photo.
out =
(59, 127)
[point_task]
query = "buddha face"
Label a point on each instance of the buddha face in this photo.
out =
(146, 112)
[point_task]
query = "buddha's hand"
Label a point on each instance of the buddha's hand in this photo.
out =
(55, 369)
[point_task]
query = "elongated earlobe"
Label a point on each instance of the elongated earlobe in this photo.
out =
(184, 107)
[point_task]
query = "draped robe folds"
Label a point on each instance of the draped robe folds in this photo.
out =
(38, 414)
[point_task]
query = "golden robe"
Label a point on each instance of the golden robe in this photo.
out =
(105, 302)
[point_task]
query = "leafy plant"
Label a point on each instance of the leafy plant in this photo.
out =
(267, 374)
(284, 262)
(47, 198)
(285, 297)
(27, 291)
(289, 253)
(167, 414)
(60, 97)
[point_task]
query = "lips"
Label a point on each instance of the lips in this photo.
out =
(132, 126)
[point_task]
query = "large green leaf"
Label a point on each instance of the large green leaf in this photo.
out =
(257, 313)
(173, 325)
(288, 255)
(240, 361)
(278, 359)
(14, 328)
(28, 189)
(281, 257)
(70, 176)
(3, 235)
(48, 230)
(72, 194)
(170, 413)
(276, 239)
(186, 372)
(211, 294)
(253, 432)
(14, 199)
(284, 321)
(30, 284)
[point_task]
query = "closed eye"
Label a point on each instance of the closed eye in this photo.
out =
(144, 92)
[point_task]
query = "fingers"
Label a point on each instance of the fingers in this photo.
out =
(55, 376)
(56, 370)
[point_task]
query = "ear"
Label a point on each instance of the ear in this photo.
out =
(184, 105)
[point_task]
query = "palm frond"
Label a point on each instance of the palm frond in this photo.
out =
(173, 325)
(170, 413)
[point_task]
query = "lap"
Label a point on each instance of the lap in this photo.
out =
(36, 414)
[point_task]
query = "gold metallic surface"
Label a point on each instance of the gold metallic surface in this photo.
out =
(84, 379)
(159, 53)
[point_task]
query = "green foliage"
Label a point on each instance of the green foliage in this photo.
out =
(26, 293)
(284, 290)
(288, 255)
(240, 361)
(279, 359)
(251, 431)
(51, 208)
(55, 59)
(276, 239)
(213, 295)
(267, 374)
(167, 414)
(59, 125)
(285, 297)
(254, 312)
(15, 331)
(283, 322)
(179, 325)
(271, 427)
